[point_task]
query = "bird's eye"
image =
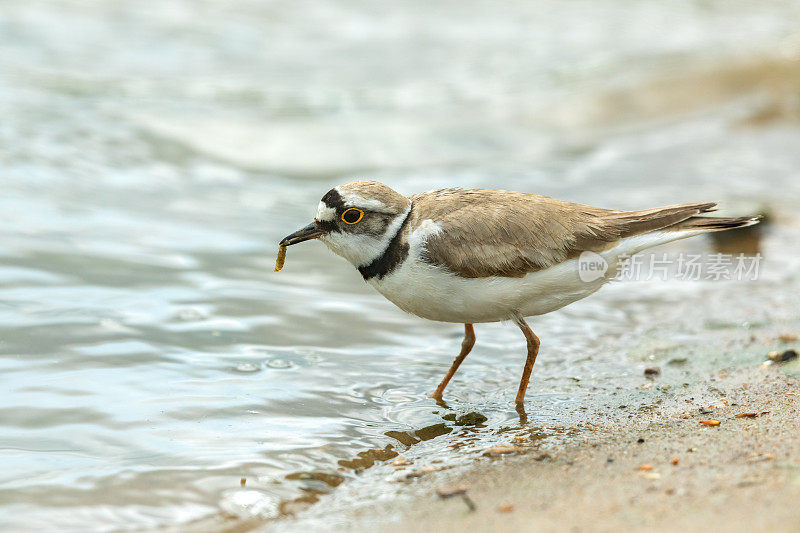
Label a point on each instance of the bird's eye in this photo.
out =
(352, 215)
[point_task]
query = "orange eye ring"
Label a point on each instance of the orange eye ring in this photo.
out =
(352, 210)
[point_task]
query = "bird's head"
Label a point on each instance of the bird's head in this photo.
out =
(356, 221)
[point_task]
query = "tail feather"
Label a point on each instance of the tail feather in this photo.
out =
(631, 223)
(687, 227)
(704, 224)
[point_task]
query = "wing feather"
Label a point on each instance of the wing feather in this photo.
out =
(502, 233)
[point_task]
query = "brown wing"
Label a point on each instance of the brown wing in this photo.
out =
(502, 233)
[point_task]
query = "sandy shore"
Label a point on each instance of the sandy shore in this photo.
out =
(657, 468)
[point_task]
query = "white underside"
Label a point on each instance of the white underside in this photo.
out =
(434, 293)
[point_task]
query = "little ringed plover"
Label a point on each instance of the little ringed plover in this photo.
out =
(478, 255)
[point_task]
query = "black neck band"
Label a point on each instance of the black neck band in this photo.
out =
(394, 254)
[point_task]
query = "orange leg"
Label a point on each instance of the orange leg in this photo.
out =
(466, 347)
(533, 349)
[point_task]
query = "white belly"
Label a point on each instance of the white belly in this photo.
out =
(436, 294)
(433, 293)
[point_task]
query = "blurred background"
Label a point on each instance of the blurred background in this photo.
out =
(157, 373)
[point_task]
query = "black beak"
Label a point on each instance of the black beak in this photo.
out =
(309, 232)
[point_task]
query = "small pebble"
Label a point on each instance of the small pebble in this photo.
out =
(450, 492)
(652, 371)
(674, 461)
(501, 450)
(505, 508)
(782, 357)
(645, 468)
(760, 456)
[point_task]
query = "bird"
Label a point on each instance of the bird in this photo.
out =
(474, 256)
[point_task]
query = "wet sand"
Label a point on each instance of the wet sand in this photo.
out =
(656, 469)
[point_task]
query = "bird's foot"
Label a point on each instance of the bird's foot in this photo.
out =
(439, 400)
(523, 416)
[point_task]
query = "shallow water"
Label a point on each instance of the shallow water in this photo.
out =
(151, 156)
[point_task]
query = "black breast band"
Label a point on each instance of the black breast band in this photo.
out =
(392, 257)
